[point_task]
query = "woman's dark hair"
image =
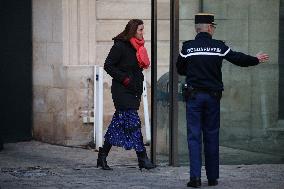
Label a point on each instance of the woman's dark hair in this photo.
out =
(129, 30)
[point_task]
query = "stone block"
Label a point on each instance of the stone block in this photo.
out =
(221, 30)
(219, 9)
(266, 73)
(78, 133)
(265, 95)
(56, 100)
(263, 9)
(239, 98)
(226, 73)
(42, 20)
(57, 20)
(79, 102)
(225, 105)
(54, 53)
(162, 128)
(188, 9)
(79, 77)
(182, 129)
(163, 9)
(231, 30)
(240, 76)
(107, 29)
(236, 30)
(60, 127)
(259, 30)
(269, 47)
(57, 31)
(47, 21)
(39, 53)
(187, 30)
(42, 129)
(43, 75)
(237, 9)
(70, 30)
(59, 76)
(163, 53)
(39, 99)
(83, 32)
(235, 131)
(163, 30)
(130, 9)
(264, 121)
(103, 49)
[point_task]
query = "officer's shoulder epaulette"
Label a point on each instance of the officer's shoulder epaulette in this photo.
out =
(221, 41)
(185, 42)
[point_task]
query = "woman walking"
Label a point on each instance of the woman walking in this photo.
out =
(125, 63)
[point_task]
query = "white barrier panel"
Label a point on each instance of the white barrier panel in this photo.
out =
(98, 106)
(146, 113)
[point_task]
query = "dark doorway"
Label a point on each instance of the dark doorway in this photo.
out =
(16, 70)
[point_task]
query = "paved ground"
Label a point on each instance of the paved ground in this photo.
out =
(39, 165)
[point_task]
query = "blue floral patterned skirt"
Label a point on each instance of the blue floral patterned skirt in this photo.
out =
(125, 130)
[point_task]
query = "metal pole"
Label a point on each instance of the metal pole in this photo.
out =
(153, 80)
(173, 84)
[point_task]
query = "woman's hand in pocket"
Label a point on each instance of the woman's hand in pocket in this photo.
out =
(129, 83)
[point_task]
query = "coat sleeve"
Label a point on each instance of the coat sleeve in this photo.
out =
(112, 61)
(240, 59)
(181, 62)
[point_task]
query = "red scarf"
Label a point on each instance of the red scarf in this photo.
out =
(141, 52)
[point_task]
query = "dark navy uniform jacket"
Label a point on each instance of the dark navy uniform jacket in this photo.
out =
(200, 60)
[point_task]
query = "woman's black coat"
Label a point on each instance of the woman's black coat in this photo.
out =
(121, 63)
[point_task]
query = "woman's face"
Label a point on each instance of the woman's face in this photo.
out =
(140, 32)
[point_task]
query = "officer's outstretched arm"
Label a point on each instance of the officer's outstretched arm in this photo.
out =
(241, 59)
(262, 57)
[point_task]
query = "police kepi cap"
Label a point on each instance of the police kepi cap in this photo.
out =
(204, 18)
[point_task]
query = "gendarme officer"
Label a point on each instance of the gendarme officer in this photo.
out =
(200, 60)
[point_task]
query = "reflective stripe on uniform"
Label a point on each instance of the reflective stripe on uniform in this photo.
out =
(205, 53)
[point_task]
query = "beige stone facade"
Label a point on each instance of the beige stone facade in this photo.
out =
(70, 36)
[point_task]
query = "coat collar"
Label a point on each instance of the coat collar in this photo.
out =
(203, 35)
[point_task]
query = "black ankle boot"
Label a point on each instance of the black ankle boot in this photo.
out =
(213, 182)
(143, 161)
(103, 153)
(194, 183)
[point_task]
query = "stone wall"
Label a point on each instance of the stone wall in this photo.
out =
(69, 37)
(62, 77)
(49, 98)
